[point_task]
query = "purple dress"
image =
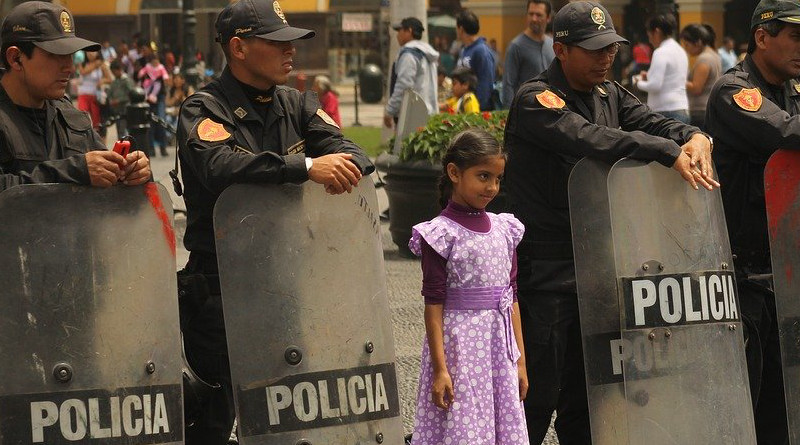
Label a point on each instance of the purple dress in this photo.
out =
(480, 348)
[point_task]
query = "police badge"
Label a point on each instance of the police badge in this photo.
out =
(66, 21)
(598, 17)
(277, 7)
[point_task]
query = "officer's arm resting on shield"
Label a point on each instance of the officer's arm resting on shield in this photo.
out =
(568, 132)
(768, 128)
(337, 163)
(634, 115)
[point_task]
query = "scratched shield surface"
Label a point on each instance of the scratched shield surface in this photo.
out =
(91, 339)
(307, 315)
(683, 355)
(782, 194)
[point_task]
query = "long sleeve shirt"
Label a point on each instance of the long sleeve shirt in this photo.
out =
(666, 78)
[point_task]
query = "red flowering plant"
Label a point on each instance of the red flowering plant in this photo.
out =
(430, 142)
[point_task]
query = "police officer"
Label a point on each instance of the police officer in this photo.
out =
(753, 110)
(246, 127)
(568, 112)
(43, 138)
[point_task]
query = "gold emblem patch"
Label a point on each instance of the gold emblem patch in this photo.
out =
(240, 113)
(599, 17)
(66, 21)
(748, 99)
(548, 99)
(263, 99)
(328, 120)
(797, 87)
(277, 7)
(211, 131)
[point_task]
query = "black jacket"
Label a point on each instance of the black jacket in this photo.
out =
(743, 142)
(29, 154)
(544, 144)
(256, 151)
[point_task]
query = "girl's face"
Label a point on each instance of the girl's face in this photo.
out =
(476, 186)
(459, 89)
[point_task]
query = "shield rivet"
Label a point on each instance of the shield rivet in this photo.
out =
(369, 347)
(668, 334)
(379, 438)
(303, 442)
(661, 267)
(731, 327)
(293, 356)
(651, 336)
(645, 267)
(724, 266)
(151, 367)
(63, 372)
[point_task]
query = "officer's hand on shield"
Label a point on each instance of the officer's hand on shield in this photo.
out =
(699, 150)
(336, 172)
(105, 167)
(137, 169)
(442, 389)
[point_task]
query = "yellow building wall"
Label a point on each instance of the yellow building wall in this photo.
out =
(91, 7)
(501, 27)
(112, 7)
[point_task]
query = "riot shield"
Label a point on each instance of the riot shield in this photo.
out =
(413, 114)
(782, 193)
(307, 315)
(665, 257)
(91, 342)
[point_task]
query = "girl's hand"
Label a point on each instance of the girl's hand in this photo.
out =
(522, 372)
(442, 389)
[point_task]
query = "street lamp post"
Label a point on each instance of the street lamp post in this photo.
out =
(189, 68)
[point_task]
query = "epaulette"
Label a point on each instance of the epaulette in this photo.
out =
(625, 90)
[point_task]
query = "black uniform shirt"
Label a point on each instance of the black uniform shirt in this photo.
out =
(223, 140)
(48, 145)
(743, 142)
(544, 143)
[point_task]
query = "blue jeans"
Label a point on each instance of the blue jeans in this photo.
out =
(678, 115)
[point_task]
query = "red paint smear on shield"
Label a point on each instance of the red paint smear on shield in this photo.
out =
(151, 191)
(782, 180)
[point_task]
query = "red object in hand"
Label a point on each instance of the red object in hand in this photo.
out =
(122, 148)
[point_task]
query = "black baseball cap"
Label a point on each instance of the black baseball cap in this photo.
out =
(783, 10)
(46, 25)
(586, 24)
(259, 18)
(411, 23)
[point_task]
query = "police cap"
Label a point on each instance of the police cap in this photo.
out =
(783, 10)
(46, 25)
(585, 24)
(257, 18)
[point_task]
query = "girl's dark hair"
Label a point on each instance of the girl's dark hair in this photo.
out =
(696, 32)
(665, 22)
(466, 76)
(467, 149)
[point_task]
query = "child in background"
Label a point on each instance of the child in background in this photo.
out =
(464, 99)
(119, 96)
(473, 377)
(328, 98)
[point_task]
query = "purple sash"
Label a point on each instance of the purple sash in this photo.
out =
(483, 298)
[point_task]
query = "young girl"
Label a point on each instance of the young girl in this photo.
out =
(473, 375)
(464, 99)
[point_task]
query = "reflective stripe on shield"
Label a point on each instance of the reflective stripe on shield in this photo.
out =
(678, 348)
(91, 343)
(307, 315)
(782, 194)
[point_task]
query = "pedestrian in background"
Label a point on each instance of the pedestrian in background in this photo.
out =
(93, 73)
(463, 99)
(531, 52)
(698, 41)
(119, 93)
(473, 375)
(328, 98)
(152, 78)
(414, 69)
(727, 53)
(665, 81)
(477, 56)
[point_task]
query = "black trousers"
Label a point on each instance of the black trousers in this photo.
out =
(554, 354)
(206, 351)
(762, 347)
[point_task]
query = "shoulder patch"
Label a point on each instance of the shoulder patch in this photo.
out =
(328, 120)
(748, 99)
(211, 131)
(549, 99)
